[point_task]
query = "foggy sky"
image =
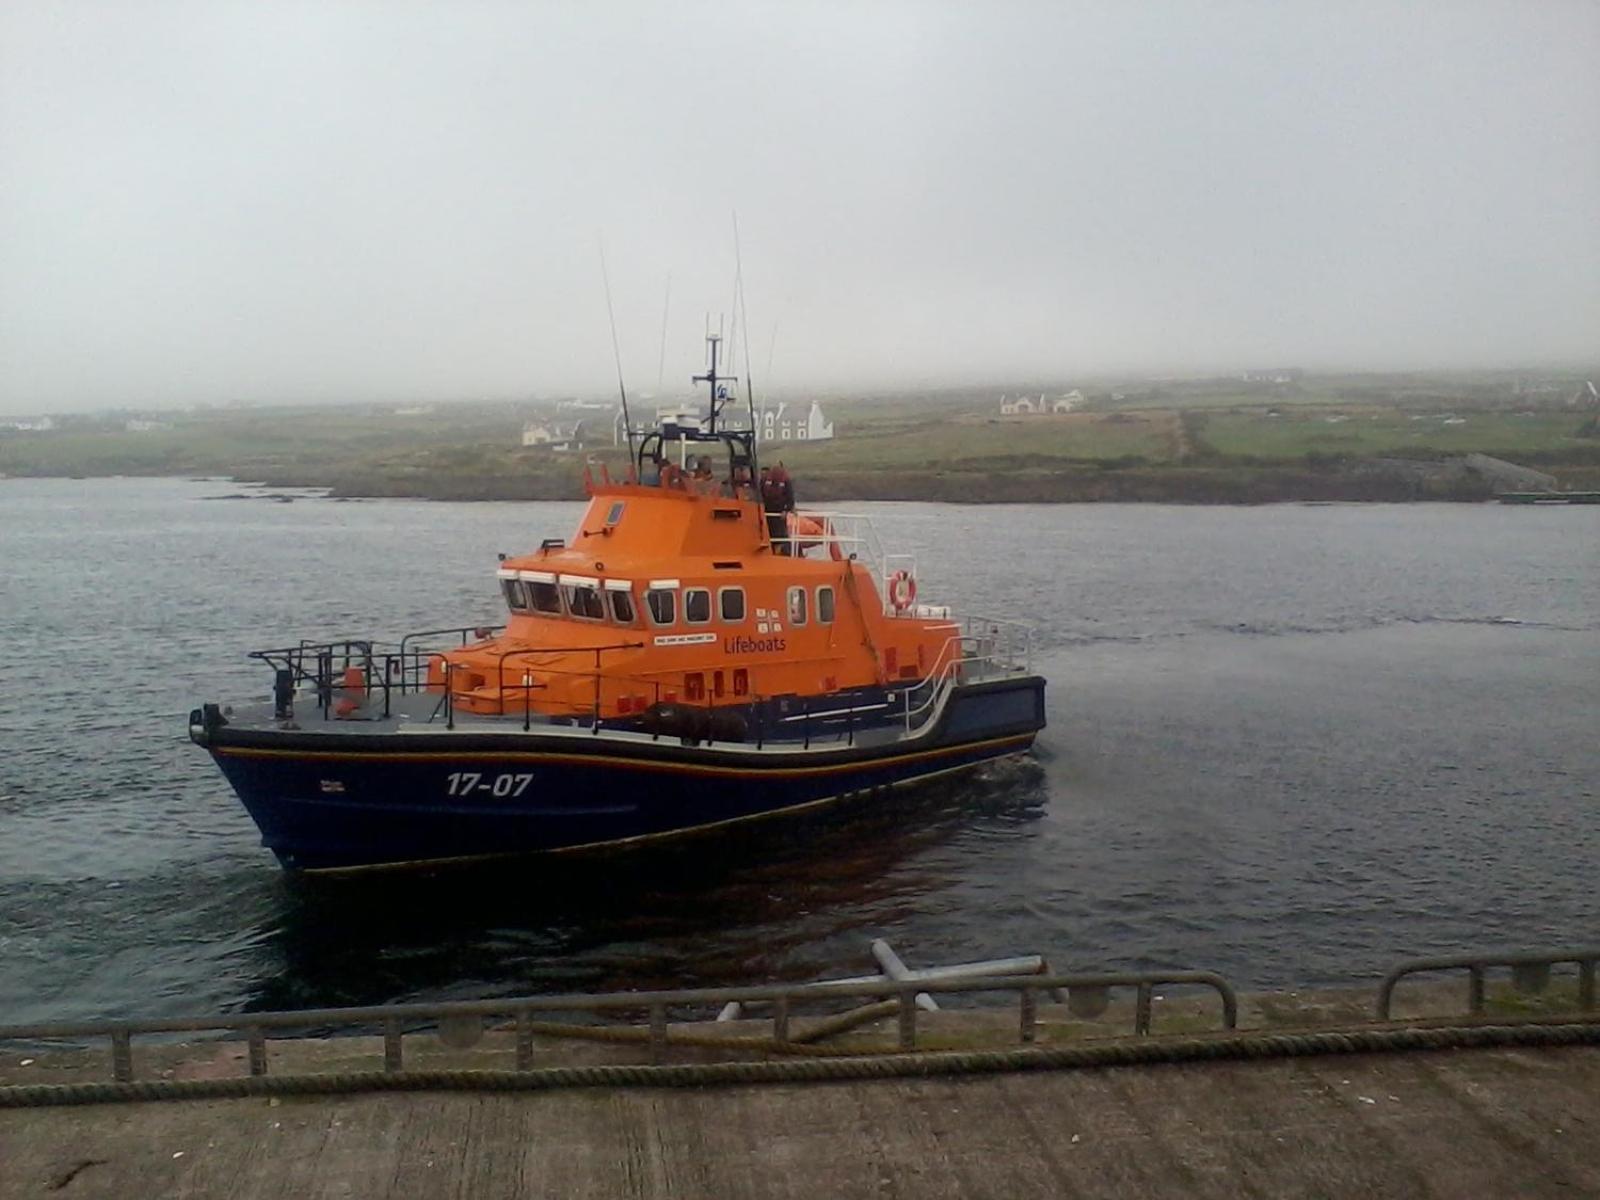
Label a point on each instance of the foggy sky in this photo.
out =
(320, 201)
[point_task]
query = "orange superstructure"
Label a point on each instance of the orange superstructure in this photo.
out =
(676, 592)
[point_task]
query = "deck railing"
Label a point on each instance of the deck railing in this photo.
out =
(988, 649)
(984, 648)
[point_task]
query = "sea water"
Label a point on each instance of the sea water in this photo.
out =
(1293, 743)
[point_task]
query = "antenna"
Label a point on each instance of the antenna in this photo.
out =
(749, 384)
(666, 308)
(711, 379)
(616, 353)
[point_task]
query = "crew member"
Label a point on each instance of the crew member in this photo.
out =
(772, 504)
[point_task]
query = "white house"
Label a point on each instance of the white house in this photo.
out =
(783, 423)
(537, 433)
(1027, 405)
(556, 437)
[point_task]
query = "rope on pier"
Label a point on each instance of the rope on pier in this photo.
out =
(1249, 1046)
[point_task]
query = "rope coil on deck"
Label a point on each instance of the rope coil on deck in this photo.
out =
(1253, 1046)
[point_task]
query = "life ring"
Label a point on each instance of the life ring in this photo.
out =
(902, 591)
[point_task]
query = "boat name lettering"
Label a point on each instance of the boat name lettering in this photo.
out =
(685, 639)
(753, 645)
(473, 783)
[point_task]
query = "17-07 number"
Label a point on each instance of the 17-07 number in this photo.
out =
(469, 783)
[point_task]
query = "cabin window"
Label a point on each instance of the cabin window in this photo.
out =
(542, 597)
(797, 606)
(621, 606)
(583, 600)
(825, 605)
(615, 513)
(697, 605)
(515, 600)
(732, 603)
(663, 605)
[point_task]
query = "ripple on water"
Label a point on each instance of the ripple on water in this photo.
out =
(1292, 744)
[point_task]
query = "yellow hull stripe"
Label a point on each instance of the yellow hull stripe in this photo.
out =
(534, 756)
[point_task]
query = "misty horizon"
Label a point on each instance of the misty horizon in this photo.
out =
(403, 204)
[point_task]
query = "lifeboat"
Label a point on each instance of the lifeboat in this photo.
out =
(695, 654)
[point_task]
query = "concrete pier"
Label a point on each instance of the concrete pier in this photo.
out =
(1480, 1122)
(1468, 1123)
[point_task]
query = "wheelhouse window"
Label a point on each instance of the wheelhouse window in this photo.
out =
(697, 605)
(731, 601)
(614, 514)
(825, 606)
(583, 599)
(515, 600)
(663, 605)
(542, 594)
(622, 611)
(797, 606)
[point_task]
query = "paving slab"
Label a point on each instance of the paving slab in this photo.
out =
(1500, 1122)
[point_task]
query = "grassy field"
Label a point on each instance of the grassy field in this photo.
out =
(974, 442)
(1202, 440)
(1291, 434)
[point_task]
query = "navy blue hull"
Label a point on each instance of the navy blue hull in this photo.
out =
(330, 801)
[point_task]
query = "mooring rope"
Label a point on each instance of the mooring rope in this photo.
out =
(1248, 1046)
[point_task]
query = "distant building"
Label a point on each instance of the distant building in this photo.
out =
(139, 425)
(1026, 405)
(29, 425)
(537, 433)
(1272, 375)
(783, 423)
(553, 436)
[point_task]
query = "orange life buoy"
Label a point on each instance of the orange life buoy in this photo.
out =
(902, 591)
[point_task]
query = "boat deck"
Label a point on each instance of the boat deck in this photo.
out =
(421, 716)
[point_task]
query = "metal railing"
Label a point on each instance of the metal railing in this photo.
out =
(1530, 972)
(989, 648)
(846, 536)
(1003, 648)
(324, 666)
(463, 1020)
